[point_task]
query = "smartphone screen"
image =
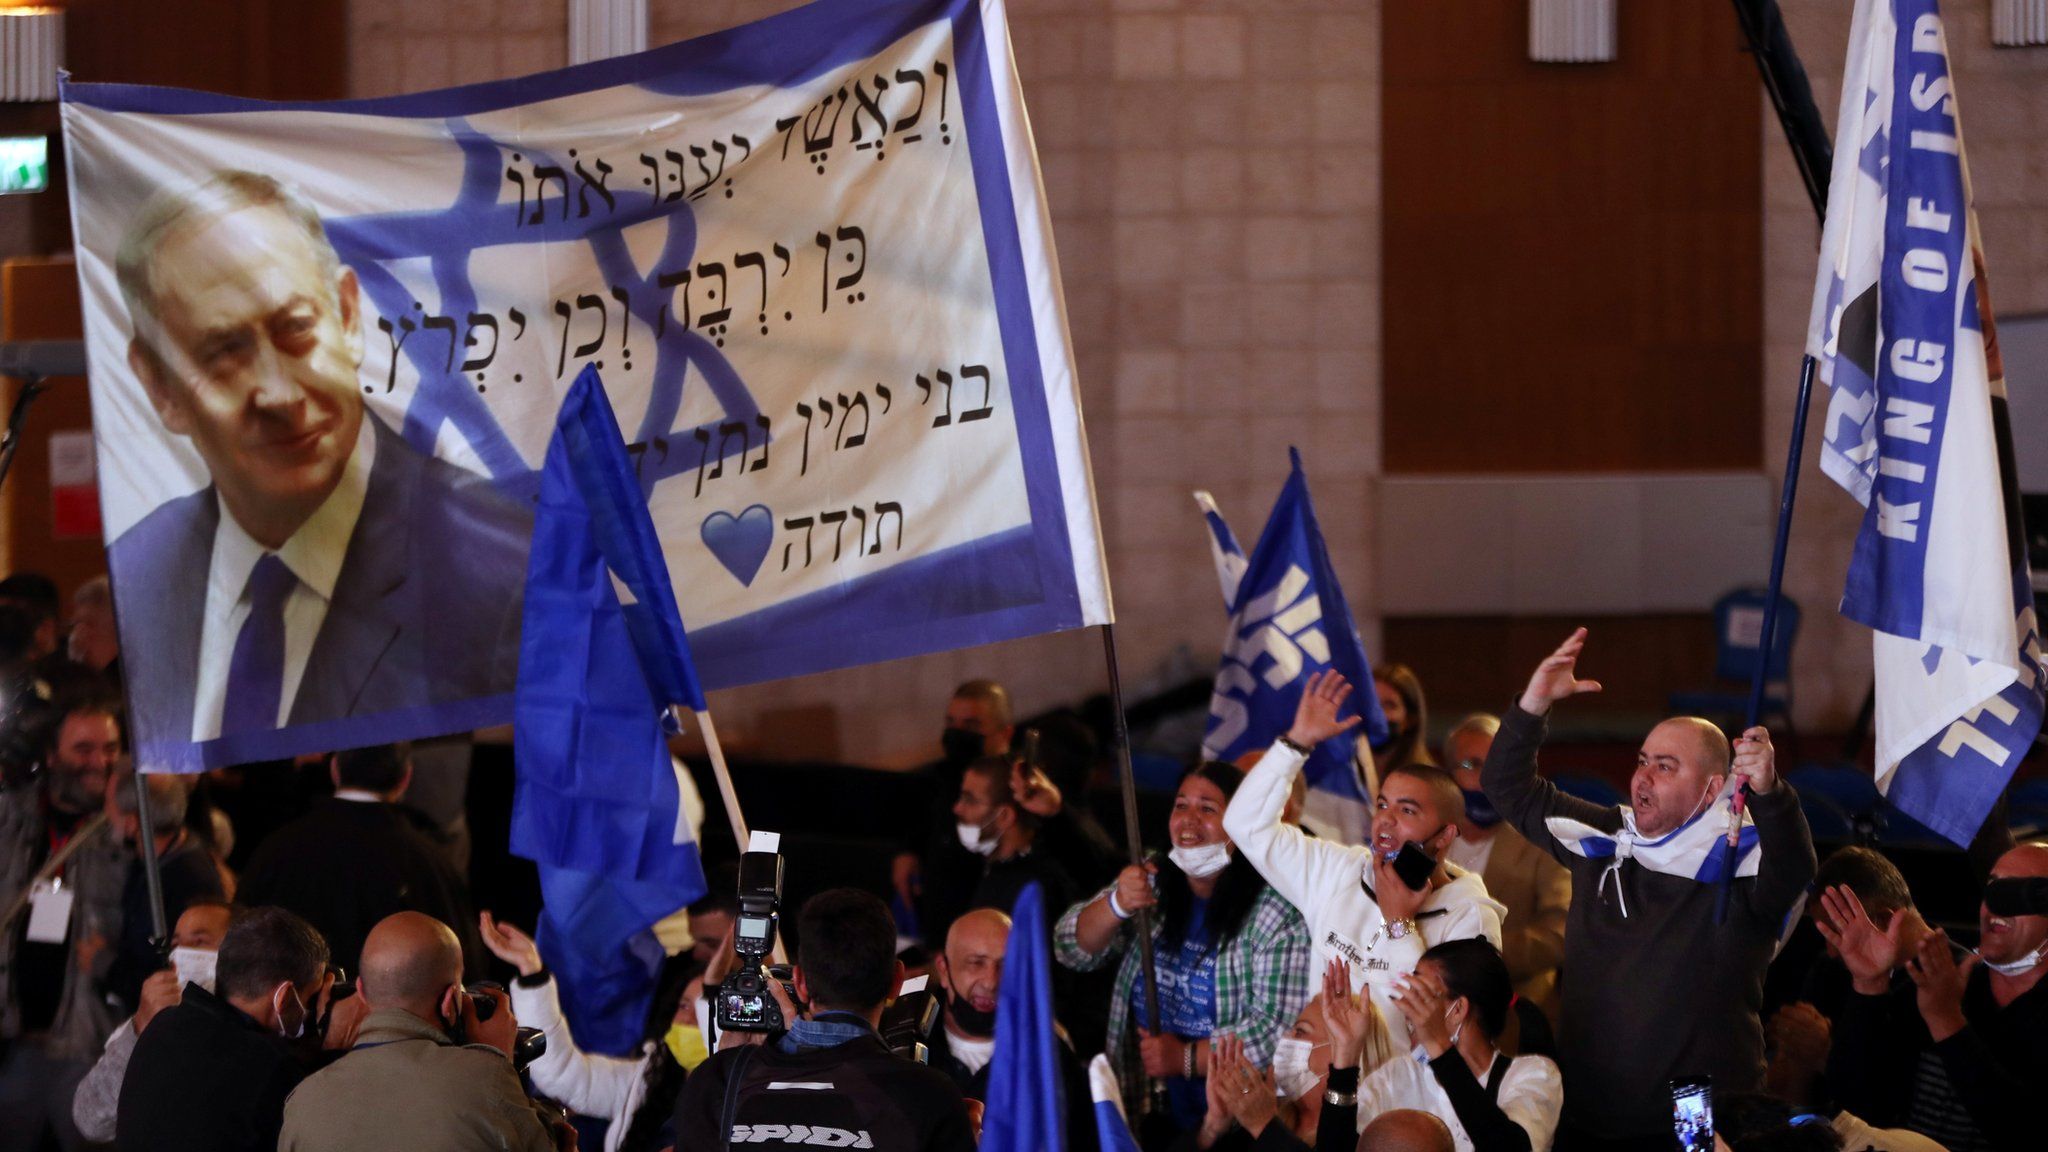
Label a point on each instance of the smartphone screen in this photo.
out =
(1692, 1113)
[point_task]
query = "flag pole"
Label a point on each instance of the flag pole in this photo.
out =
(719, 772)
(1784, 81)
(722, 773)
(1134, 838)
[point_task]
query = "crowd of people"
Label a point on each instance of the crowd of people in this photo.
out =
(1475, 961)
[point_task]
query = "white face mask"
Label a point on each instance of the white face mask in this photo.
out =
(975, 839)
(194, 966)
(1291, 1071)
(2021, 966)
(1201, 860)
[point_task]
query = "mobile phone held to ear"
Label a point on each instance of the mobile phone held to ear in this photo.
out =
(1692, 1113)
(1414, 866)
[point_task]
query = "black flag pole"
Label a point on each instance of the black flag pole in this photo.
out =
(1134, 837)
(1784, 80)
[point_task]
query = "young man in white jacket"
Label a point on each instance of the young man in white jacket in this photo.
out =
(1358, 909)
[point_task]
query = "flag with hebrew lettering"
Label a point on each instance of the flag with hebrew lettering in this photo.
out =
(811, 257)
(1916, 429)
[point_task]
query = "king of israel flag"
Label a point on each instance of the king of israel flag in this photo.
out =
(1289, 621)
(1917, 431)
(327, 342)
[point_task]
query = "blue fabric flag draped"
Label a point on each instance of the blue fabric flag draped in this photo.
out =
(602, 656)
(1026, 1110)
(1288, 620)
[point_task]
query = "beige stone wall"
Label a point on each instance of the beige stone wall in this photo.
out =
(2003, 101)
(1222, 276)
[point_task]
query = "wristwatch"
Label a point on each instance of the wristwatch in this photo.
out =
(1399, 929)
(1340, 1099)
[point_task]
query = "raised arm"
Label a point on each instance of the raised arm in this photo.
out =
(1292, 861)
(1509, 777)
(1788, 862)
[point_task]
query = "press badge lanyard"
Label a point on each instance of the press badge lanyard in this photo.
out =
(52, 867)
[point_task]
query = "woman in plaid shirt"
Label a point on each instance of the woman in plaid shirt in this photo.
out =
(1232, 954)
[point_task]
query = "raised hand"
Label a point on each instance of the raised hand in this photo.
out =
(1556, 678)
(1034, 791)
(1868, 952)
(1247, 1091)
(1423, 1002)
(1755, 759)
(1939, 982)
(1315, 718)
(1345, 1014)
(510, 944)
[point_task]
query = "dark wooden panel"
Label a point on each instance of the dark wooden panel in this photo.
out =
(1572, 265)
(270, 49)
(1479, 663)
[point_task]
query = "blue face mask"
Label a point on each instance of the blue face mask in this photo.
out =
(1479, 809)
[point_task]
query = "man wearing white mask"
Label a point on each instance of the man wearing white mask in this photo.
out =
(1956, 1049)
(213, 1070)
(194, 943)
(994, 824)
(1359, 907)
(1660, 986)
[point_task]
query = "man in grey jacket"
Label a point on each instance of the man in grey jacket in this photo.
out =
(426, 1071)
(61, 874)
(1654, 987)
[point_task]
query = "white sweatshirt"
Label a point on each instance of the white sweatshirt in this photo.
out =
(1326, 881)
(606, 1087)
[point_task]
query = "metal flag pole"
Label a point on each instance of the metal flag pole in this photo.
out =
(1134, 838)
(1784, 80)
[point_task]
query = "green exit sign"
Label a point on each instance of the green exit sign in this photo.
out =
(24, 164)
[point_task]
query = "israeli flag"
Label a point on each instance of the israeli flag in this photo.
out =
(1917, 431)
(1288, 621)
(1112, 1127)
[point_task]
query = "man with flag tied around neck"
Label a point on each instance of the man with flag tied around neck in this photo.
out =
(1655, 987)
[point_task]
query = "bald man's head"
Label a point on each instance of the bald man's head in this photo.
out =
(972, 970)
(1683, 762)
(2011, 939)
(1406, 1130)
(409, 962)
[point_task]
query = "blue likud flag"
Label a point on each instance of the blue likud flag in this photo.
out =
(1288, 621)
(1112, 1127)
(1026, 1109)
(598, 803)
(1902, 334)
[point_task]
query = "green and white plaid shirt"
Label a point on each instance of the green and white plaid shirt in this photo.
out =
(1262, 981)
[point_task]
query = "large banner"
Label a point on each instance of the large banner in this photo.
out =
(1903, 335)
(810, 257)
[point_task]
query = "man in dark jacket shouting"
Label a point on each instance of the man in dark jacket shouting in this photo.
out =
(1655, 988)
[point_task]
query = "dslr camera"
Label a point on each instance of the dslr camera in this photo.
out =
(744, 1003)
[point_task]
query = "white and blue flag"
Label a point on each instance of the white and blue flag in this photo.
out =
(1916, 430)
(1288, 621)
(811, 256)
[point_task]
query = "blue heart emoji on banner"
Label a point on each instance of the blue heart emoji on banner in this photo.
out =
(740, 542)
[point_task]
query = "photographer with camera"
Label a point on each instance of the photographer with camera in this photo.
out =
(432, 1064)
(213, 1070)
(829, 1077)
